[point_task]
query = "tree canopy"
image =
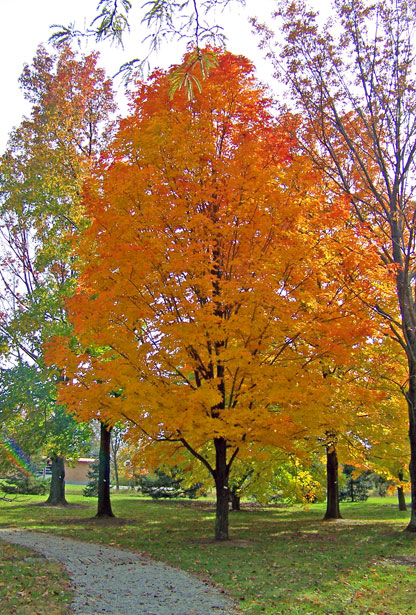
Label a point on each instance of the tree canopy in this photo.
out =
(213, 276)
(41, 173)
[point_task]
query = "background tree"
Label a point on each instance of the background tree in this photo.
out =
(354, 82)
(117, 440)
(40, 426)
(357, 486)
(212, 297)
(41, 174)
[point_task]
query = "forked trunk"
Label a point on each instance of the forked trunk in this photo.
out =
(332, 491)
(57, 487)
(221, 484)
(104, 500)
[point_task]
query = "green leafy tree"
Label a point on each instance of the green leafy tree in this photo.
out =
(41, 174)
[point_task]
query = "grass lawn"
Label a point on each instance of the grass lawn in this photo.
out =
(279, 560)
(30, 585)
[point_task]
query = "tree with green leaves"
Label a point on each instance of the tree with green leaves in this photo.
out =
(40, 426)
(41, 175)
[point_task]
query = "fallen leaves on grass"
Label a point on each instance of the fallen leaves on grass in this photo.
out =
(31, 590)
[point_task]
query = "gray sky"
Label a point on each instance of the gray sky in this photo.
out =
(26, 24)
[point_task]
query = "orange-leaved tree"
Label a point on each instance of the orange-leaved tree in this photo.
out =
(354, 81)
(213, 276)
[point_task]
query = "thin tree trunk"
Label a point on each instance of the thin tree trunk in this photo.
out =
(221, 484)
(411, 402)
(352, 495)
(115, 446)
(104, 501)
(115, 466)
(332, 491)
(57, 487)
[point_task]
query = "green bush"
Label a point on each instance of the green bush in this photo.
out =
(24, 485)
(162, 485)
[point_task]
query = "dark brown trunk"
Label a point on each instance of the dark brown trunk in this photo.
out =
(407, 310)
(57, 487)
(104, 501)
(235, 499)
(411, 403)
(332, 492)
(401, 498)
(400, 493)
(221, 485)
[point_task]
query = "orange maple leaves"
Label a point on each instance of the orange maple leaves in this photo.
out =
(221, 280)
(216, 274)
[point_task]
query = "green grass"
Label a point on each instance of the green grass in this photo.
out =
(30, 585)
(279, 561)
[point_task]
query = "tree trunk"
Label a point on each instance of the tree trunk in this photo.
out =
(115, 466)
(57, 488)
(400, 493)
(401, 498)
(235, 499)
(104, 501)
(115, 446)
(221, 484)
(411, 403)
(332, 494)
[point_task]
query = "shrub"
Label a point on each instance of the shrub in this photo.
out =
(91, 488)
(25, 485)
(162, 485)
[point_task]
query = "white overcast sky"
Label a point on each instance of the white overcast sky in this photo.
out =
(26, 24)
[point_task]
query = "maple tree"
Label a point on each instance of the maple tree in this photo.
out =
(353, 79)
(211, 277)
(42, 170)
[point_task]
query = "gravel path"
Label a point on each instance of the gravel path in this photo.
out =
(117, 582)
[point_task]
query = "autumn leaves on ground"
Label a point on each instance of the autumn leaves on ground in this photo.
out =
(279, 560)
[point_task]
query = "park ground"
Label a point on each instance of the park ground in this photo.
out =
(279, 560)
